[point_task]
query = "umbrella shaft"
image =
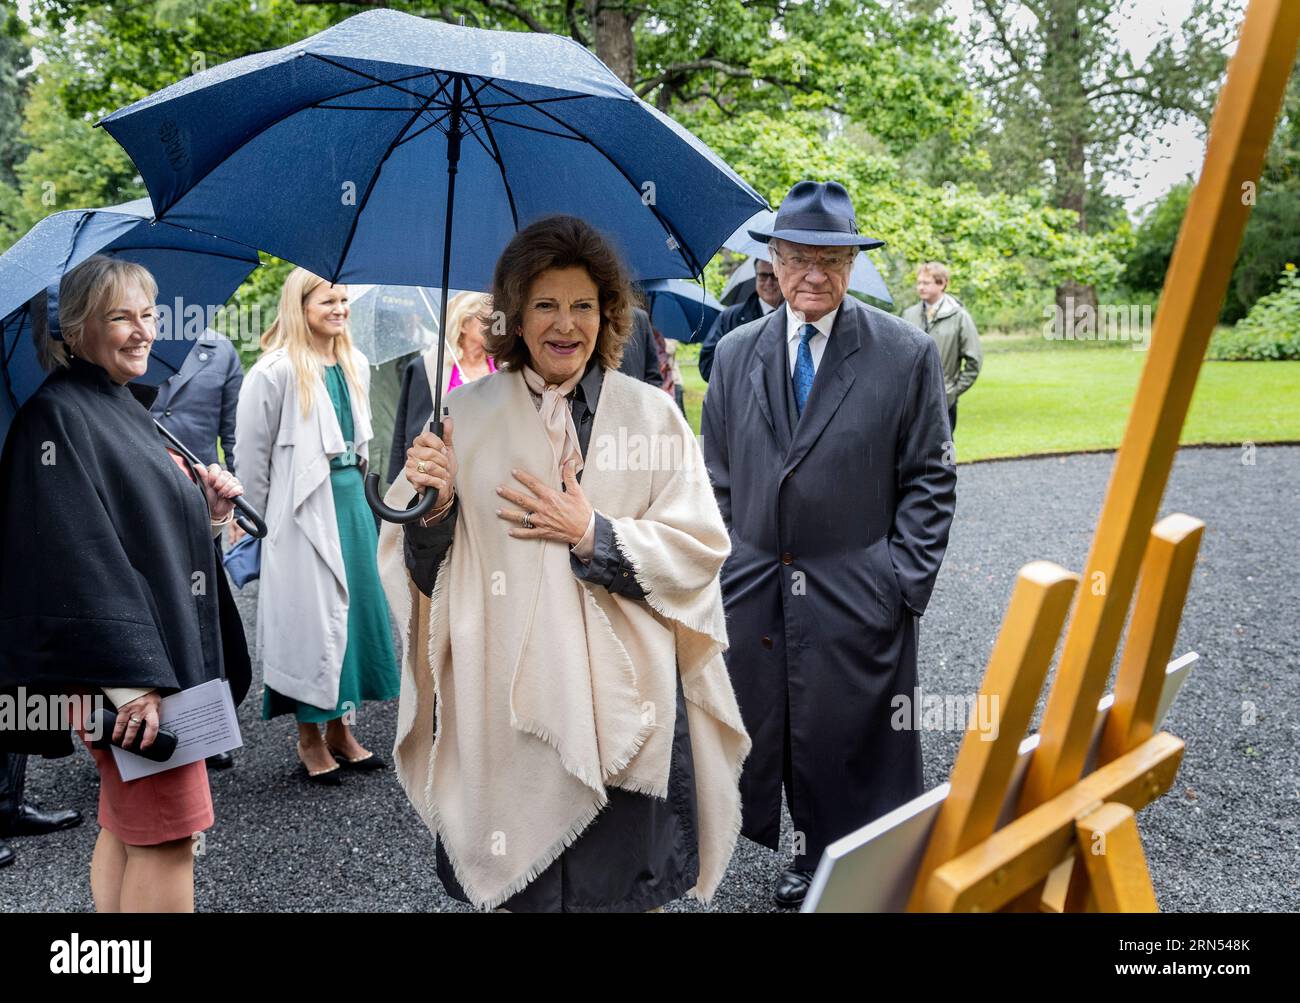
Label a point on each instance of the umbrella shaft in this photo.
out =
(453, 161)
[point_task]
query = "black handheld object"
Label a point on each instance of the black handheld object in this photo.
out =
(453, 133)
(164, 743)
(401, 515)
(249, 519)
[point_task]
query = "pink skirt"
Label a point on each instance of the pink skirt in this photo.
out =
(155, 809)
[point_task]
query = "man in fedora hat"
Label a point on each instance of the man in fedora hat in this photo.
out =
(824, 430)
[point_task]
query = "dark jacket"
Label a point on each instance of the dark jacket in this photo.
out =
(750, 308)
(414, 409)
(108, 574)
(839, 521)
(639, 852)
(197, 405)
(641, 353)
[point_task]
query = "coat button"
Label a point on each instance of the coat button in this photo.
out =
(167, 414)
(787, 558)
(767, 641)
(203, 356)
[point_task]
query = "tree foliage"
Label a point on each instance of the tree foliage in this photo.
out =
(15, 58)
(1272, 237)
(1068, 105)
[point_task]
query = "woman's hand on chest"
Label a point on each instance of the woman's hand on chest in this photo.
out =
(562, 516)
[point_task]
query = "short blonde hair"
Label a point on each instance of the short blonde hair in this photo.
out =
(936, 271)
(459, 307)
(82, 291)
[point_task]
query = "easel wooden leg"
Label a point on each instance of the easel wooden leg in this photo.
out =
(1116, 866)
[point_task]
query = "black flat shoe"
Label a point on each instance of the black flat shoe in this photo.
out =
(221, 761)
(791, 888)
(31, 821)
(7, 855)
(365, 764)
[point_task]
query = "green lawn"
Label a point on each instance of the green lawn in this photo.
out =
(1043, 397)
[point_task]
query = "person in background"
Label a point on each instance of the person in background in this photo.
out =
(197, 405)
(765, 298)
(669, 370)
(469, 316)
(943, 318)
(18, 816)
(385, 398)
(304, 434)
(641, 353)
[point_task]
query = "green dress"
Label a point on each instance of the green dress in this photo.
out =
(369, 665)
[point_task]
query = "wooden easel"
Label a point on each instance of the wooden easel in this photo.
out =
(1074, 844)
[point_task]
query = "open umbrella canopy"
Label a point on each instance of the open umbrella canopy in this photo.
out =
(680, 310)
(196, 274)
(865, 277)
(334, 153)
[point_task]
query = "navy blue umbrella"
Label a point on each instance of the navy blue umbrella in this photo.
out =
(196, 274)
(393, 149)
(680, 310)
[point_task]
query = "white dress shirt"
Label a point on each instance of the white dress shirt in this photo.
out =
(817, 343)
(766, 307)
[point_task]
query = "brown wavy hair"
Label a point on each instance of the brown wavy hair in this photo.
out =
(558, 242)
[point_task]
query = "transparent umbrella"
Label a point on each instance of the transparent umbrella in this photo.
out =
(388, 321)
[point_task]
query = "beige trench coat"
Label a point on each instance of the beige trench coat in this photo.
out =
(284, 464)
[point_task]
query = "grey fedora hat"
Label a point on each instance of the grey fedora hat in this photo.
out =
(817, 212)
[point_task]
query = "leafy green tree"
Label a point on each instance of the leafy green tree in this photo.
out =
(70, 164)
(997, 244)
(849, 89)
(15, 58)
(1272, 237)
(1068, 103)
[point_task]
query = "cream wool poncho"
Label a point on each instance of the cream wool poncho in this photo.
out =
(546, 690)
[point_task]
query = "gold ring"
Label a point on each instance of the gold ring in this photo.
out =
(421, 468)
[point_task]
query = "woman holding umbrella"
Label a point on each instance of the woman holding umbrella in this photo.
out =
(109, 580)
(303, 427)
(563, 623)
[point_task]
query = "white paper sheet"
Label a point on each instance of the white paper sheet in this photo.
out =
(204, 722)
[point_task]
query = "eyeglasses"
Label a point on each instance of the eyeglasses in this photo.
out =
(827, 263)
(765, 276)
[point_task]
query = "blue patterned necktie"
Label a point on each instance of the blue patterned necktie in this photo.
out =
(803, 368)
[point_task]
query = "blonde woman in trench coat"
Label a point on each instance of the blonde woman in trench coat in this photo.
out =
(322, 626)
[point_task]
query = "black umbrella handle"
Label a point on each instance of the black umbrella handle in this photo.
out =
(401, 516)
(249, 519)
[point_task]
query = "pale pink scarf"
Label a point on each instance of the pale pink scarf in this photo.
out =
(557, 418)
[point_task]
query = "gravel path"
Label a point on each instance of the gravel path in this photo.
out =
(1226, 838)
